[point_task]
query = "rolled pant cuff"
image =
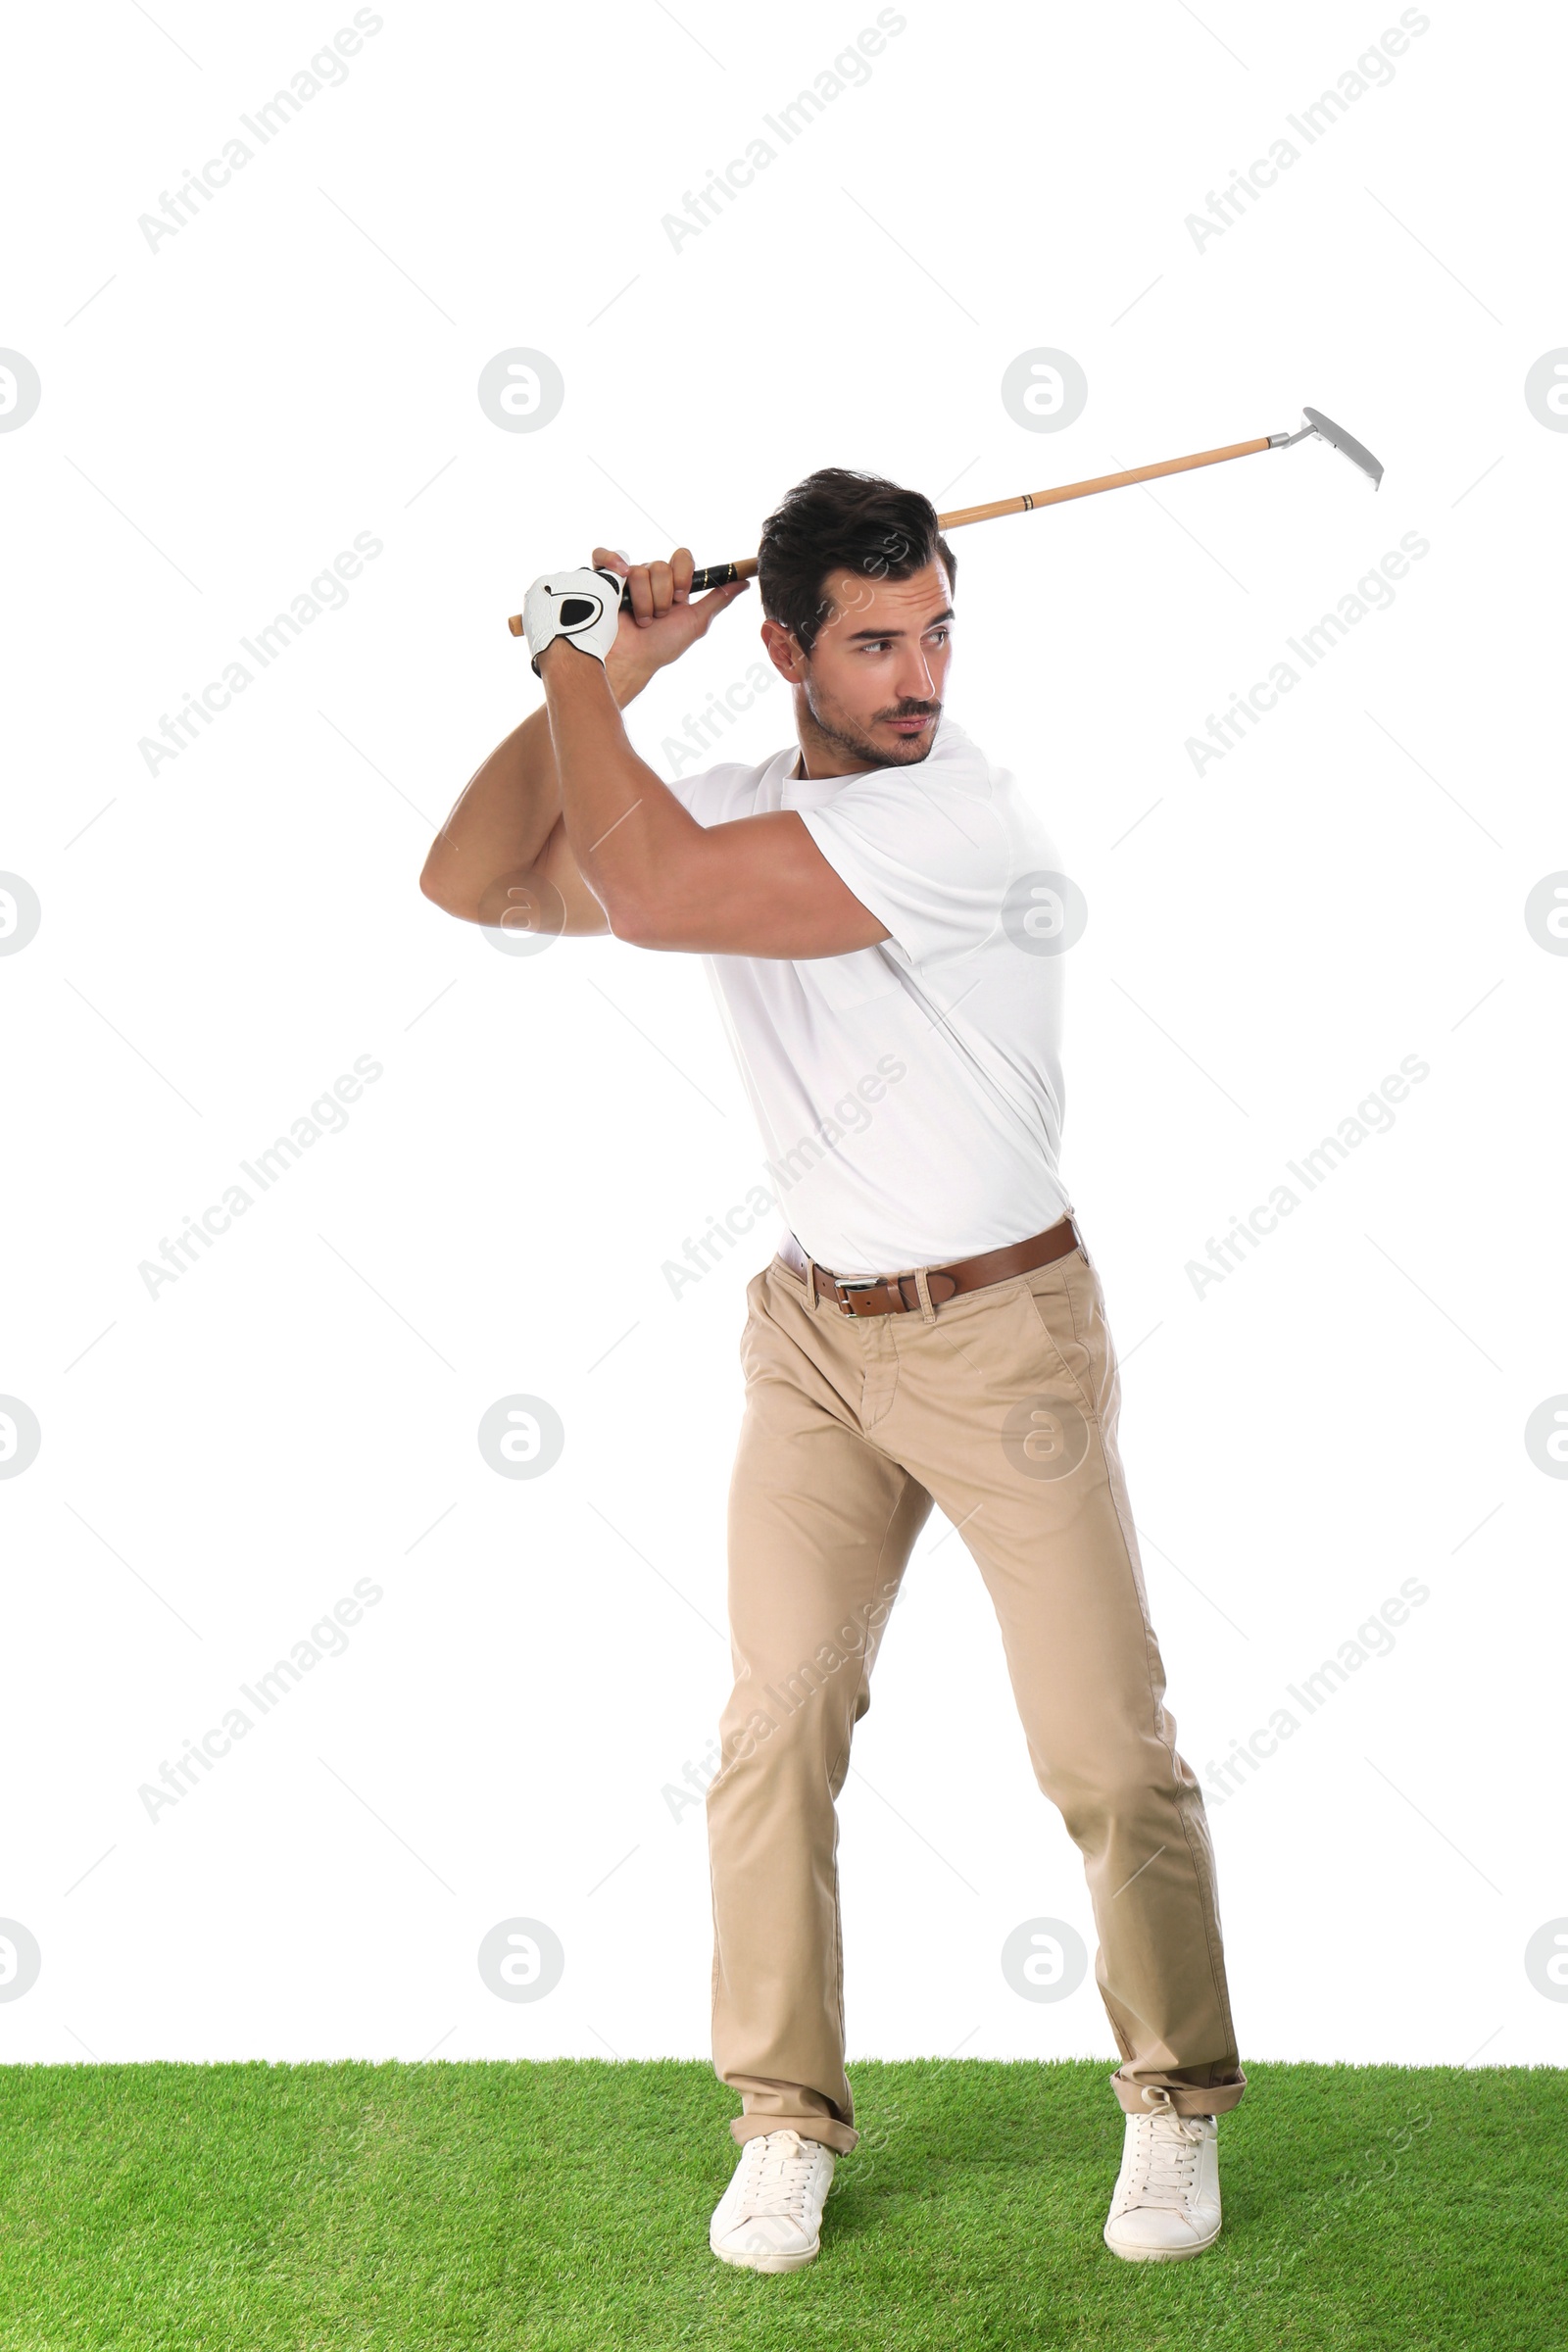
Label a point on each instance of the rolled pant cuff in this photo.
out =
(840, 2138)
(1186, 2098)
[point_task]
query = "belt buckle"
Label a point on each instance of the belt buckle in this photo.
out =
(867, 1282)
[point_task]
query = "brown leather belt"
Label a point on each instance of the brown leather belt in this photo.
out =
(899, 1294)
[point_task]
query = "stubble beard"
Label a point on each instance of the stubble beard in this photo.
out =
(904, 751)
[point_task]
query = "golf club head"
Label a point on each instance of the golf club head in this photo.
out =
(1346, 443)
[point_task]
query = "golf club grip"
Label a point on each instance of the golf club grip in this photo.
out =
(713, 576)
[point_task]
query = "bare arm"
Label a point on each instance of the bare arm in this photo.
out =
(503, 857)
(499, 853)
(757, 887)
(503, 852)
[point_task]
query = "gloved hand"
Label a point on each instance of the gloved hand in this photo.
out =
(584, 606)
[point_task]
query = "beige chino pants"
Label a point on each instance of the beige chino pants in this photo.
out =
(1001, 1406)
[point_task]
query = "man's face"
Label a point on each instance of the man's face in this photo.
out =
(872, 683)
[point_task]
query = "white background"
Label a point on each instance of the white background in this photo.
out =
(220, 940)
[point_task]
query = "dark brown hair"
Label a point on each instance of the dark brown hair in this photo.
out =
(835, 519)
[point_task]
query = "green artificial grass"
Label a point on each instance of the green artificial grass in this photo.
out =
(565, 2205)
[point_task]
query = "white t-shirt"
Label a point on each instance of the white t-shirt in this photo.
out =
(910, 1094)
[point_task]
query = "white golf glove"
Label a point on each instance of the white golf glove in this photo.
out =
(584, 606)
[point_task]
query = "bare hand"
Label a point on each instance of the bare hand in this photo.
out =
(662, 621)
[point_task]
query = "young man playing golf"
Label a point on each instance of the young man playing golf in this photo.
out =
(879, 904)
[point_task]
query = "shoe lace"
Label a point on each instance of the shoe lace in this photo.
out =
(778, 2175)
(1164, 2165)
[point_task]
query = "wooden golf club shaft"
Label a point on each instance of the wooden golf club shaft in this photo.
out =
(718, 575)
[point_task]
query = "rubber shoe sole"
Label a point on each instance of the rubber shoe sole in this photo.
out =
(763, 2260)
(1199, 2245)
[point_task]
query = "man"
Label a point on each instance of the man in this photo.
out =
(874, 903)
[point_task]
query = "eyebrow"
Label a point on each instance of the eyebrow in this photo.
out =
(855, 636)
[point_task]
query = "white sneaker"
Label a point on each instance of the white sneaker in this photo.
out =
(1166, 2203)
(769, 2218)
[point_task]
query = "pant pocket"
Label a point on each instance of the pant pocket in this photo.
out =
(1047, 1301)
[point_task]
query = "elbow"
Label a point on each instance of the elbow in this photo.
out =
(440, 893)
(631, 919)
(439, 872)
(665, 909)
(634, 930)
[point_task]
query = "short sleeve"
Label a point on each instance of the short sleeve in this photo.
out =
(929, 857)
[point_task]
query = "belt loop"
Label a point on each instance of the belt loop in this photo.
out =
(927, 1310)
(811, 1282)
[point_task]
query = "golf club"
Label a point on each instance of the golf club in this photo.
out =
(1324, 428)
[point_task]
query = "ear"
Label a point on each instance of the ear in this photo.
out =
(784, 651)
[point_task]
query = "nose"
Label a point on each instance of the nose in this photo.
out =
(915, 681)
